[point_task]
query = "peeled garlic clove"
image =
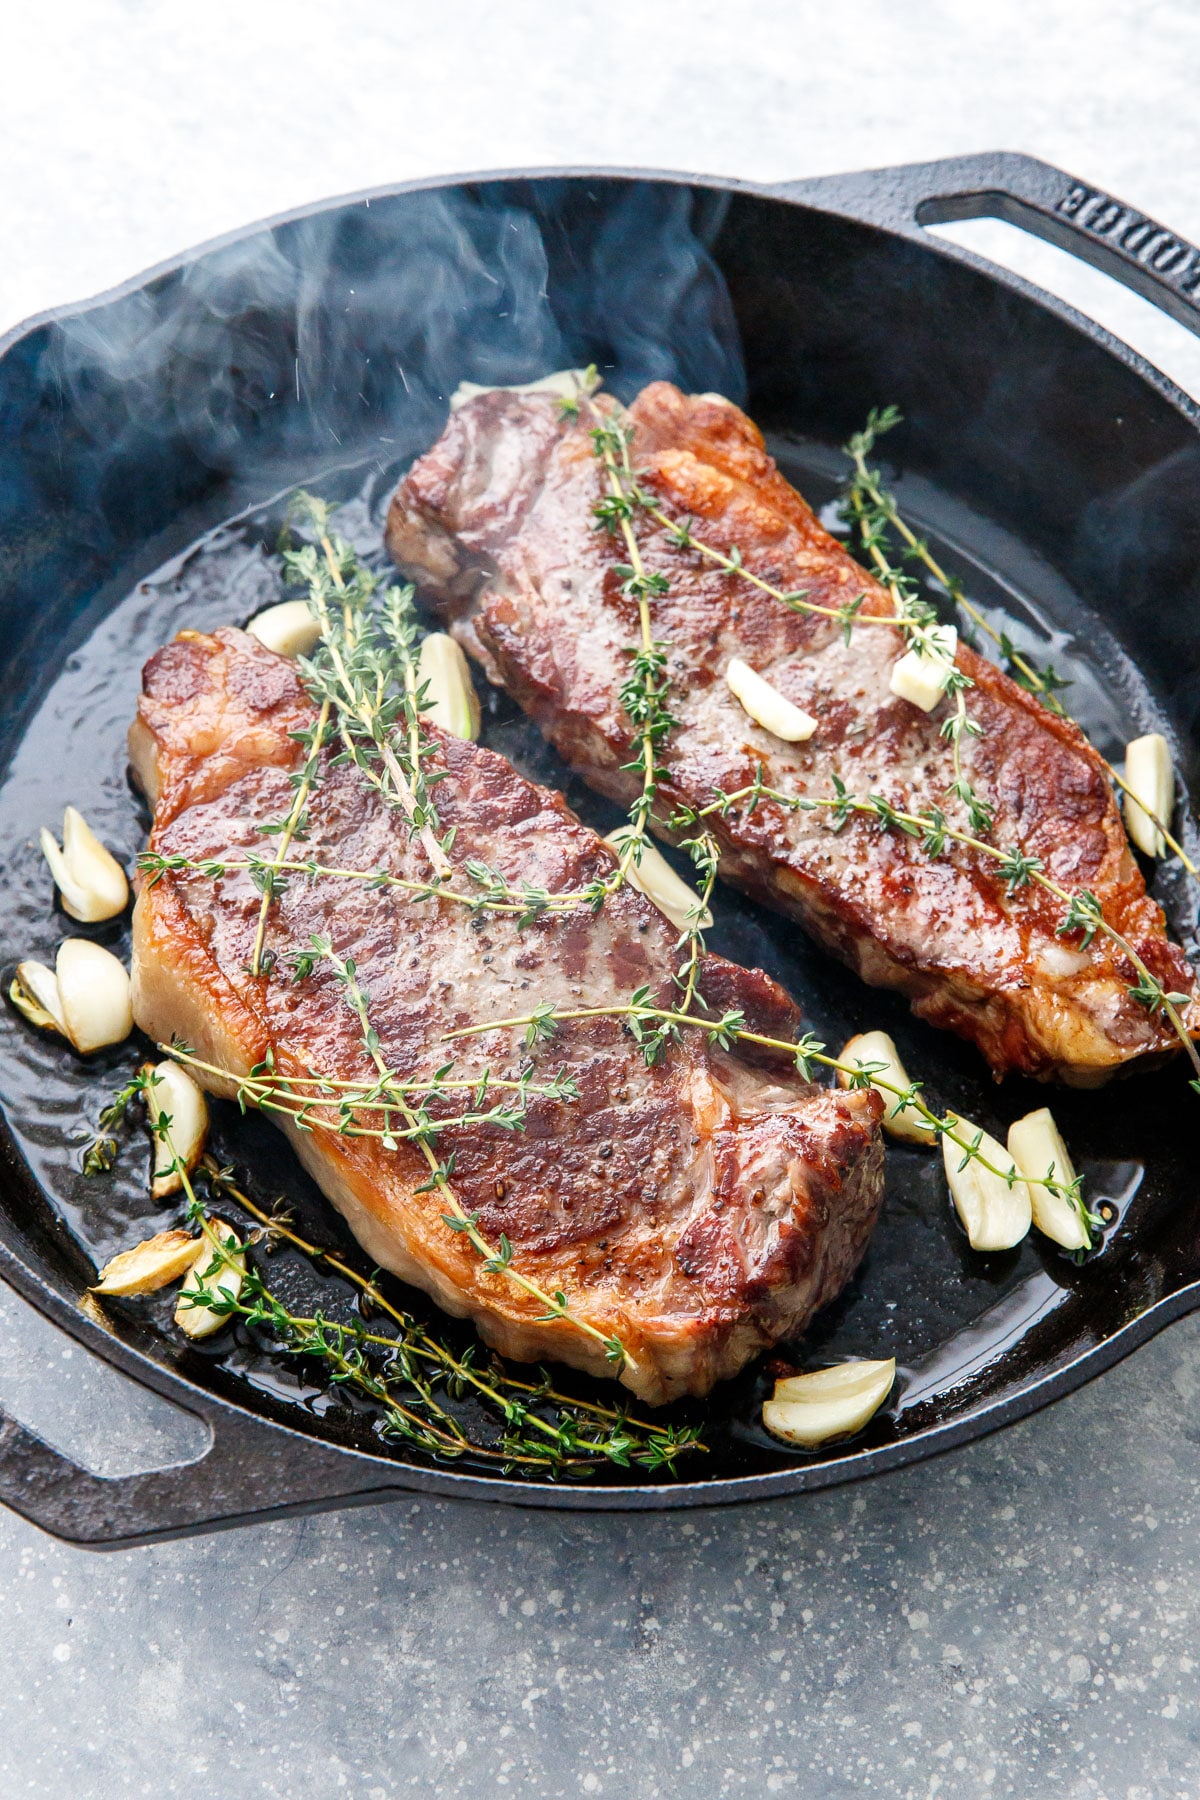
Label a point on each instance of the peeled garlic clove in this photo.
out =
(151, 1265)
(766, 705)
(566, 383)
(290, 629)
(94, 993)
(1035, 1145)
(216, 1271)
(1150, 776)
(904, 1123)
(89, 878)
(34, 993)
(995, 1214)
(451, 699)
(654, 877)
(178, 1115)
(920, 676)
(830, 1403)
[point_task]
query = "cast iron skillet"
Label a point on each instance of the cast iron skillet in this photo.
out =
(1046, 458)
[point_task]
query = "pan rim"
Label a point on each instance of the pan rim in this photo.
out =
(377, 1475)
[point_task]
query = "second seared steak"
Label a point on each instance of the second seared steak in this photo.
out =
(496, 522)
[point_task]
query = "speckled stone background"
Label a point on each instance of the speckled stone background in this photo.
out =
(1019, 1618)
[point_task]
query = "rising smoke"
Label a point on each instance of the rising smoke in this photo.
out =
(345, 333)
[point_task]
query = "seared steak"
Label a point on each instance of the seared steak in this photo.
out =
(699, 1210)
(496, 523)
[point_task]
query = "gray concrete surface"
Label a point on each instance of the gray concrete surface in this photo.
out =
(1019, 1618)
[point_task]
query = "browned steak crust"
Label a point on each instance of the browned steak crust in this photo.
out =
(699, 1210)
(496, 522)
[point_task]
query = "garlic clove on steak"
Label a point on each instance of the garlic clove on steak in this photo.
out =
(451, 700)
(1151, 780)
(151, 1265)
(1036, 1146)
(89, 878)
(871, 1048)
(654, 877)
(565, 383)
(766, 705)
(219, 1271)
(34, 993)
(178, 1116)
(921, 674)
(809, 1410)
(94, 994)
(996, 1212)
(290, 629)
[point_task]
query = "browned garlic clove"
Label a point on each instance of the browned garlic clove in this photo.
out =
(34, 993)
(809, 1410)
(996, 1213)
(178, 1116)
(89, 878)
(450, 692)
(766, 705)
(218, 1271)
(905, 1123)
(654, 877)
(291, 629)
(151, 1265)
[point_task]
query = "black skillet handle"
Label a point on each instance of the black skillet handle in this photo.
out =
(251, 1469)
(1041, 199)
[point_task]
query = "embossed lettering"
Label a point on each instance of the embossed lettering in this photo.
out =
(1076, 197)
(1140, 237)
(1105, 217)
(1171, 257)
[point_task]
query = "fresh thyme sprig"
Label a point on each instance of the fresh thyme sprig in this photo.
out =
(1045, 682)
(315, 1102)
(862, 508)
(365, 669)
(576, 1436)
(101, 1152)
(1084, 914)
(497, 1259)
(654, 1026)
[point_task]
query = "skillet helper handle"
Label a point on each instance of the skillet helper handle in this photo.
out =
(249, 1470)
(1047, 202)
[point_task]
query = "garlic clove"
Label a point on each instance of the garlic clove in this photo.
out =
(905, 1123)
(95, 994)
(450, 694)
(218, 1271)
(920, 676)
(1150, 776)
(809, 1410)
(178, 1116)
(34, 993)
(290, 629)
(151, 1265)
(566, 383)
(1036, 1146)
(766, 705)
(995, 1213)
(89, 878)
(654, 877)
